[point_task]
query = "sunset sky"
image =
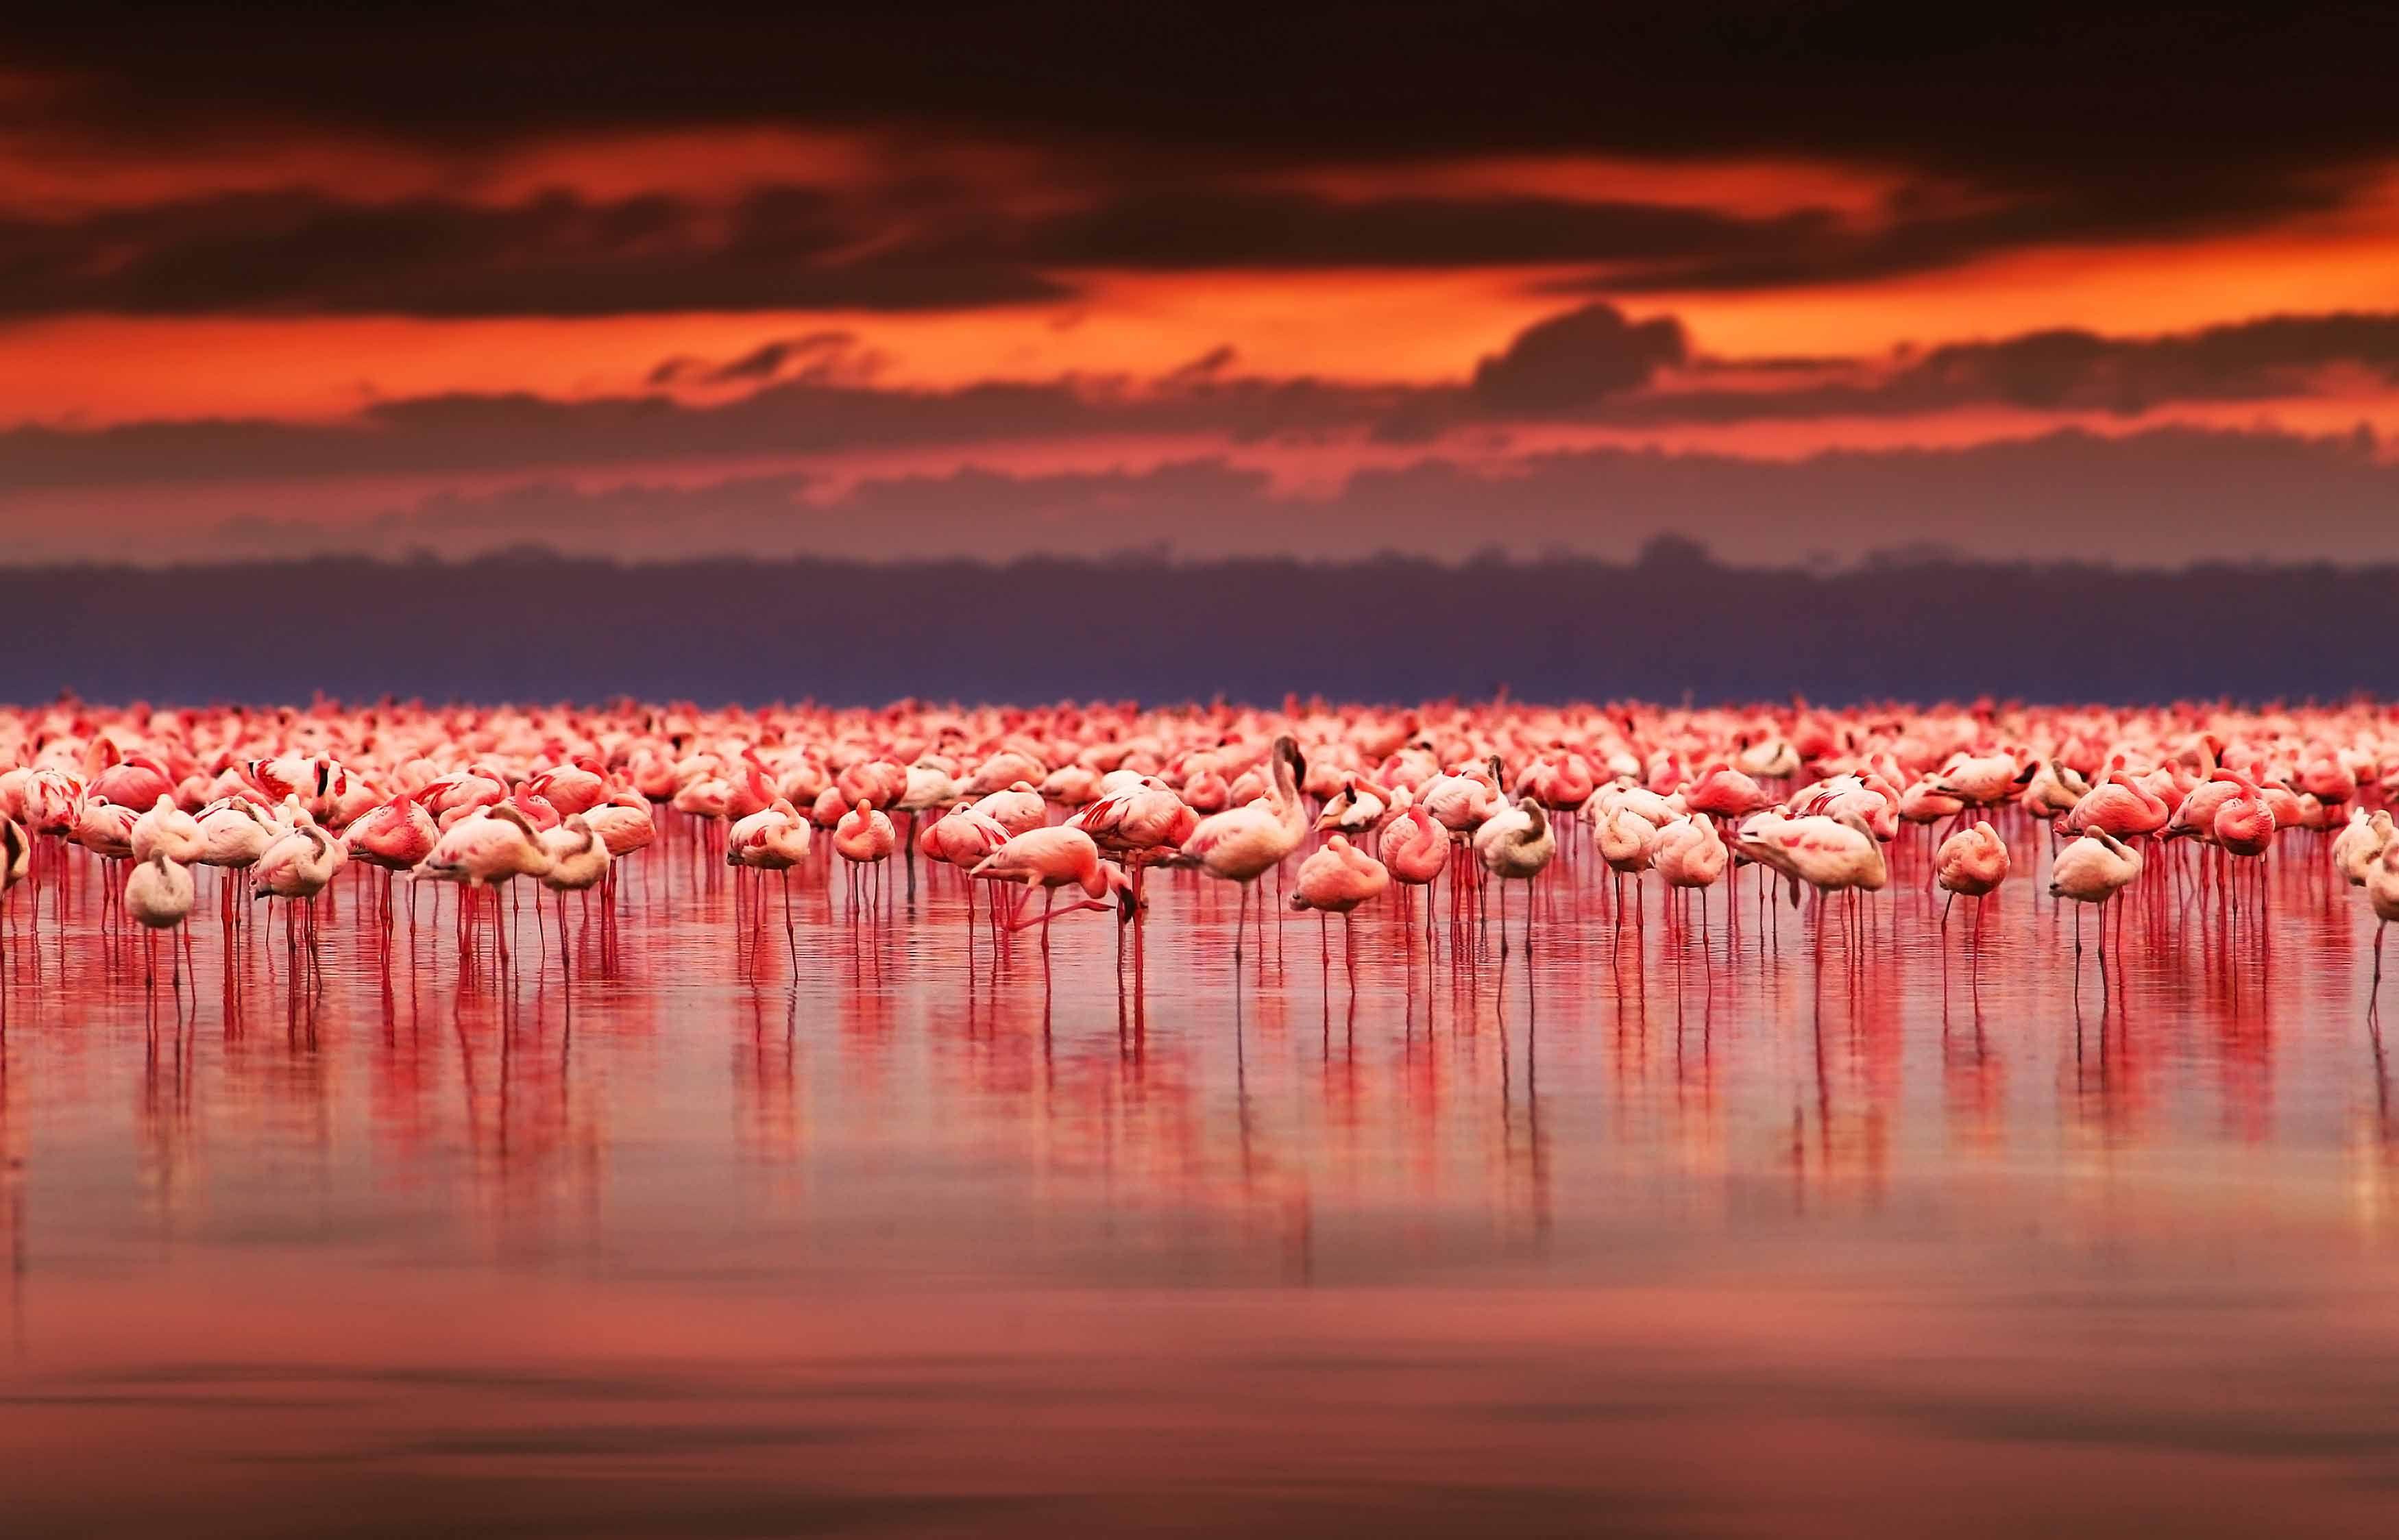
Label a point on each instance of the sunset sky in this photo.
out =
(1802, 282)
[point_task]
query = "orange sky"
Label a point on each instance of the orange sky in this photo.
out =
(287, 262)
(1358, 323)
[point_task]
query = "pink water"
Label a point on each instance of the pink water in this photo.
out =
(1647, 1238)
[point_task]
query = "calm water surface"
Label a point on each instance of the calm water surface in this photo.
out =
(1652, 1237)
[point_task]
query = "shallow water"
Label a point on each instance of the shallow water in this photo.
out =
(1658, 1234)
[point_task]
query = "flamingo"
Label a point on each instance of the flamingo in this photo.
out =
(483, 852)
(1336, 880)
(864, 838)
(1832, 853)
(2121, 806)
(1982, 780)
(234, 833)
(924, 785)
(2360, 842)
(623, 822)
(137, 781)
(1016, 807)
(1689, 855)
(2092, 870)
(1625, 841)
(158, 895)
(2051, 791)
(1048, 860)
(167, 831)
(962, 838)
(571, 789)
(1358, 809)
(2382, 895)
(1141, 823)
(295, 867)
(1243, 844)
(576, 861)
(392, 838)
(1515, 844)
(775, 838)
(1415, 850)
(52, 798)
(1974, 862)
(1724, 793)
(16, 861)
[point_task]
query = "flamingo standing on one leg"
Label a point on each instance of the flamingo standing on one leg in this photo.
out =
(16, 861)
(158, 896)
(1516, 845)
(2382, 895)
(1336, 880)
(1974, 862)
(1689, 854)
(577, 862)
(1415, 850)
(1628, 842)
(962, 837)
(2360, 843)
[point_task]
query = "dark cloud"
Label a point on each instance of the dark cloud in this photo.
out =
(1194, 226)
(1209, 365)
(2002, 130)
(1590, 366)
(817, 358)
(1650, 248)
(2040, 94)
(2066, 368)
(2060, 369)
(1912, 234)
(460, 432)
(1575, 358)
(792, 247)
(555, 254)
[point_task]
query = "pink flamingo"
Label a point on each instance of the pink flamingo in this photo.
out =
(1051, 858)
(158, 896)
(775, 838)
(2092, 870)
(484, 852)
(393, 838)
(2121, 806)
(1974, 862)
(1241, 845)
(864, 838)
(1336, 880)
(1415, 850)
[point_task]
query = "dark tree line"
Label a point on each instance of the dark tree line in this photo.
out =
(1676, 623)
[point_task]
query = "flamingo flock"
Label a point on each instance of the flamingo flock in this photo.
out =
(1325, 808)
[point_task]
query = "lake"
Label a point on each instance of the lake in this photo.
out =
(1659, 1235)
